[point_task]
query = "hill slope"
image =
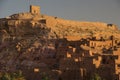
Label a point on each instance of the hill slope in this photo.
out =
(28, 42)
(65, 28)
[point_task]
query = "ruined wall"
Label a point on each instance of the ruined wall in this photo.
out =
(21, 16)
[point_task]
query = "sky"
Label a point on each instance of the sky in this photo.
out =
(107, 11)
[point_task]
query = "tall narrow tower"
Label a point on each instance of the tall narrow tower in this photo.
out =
(34, 9)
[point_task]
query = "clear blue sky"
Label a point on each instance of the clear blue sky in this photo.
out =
(83, 10)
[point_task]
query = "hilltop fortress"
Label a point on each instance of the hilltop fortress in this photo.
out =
(41, 45)
(85, 28)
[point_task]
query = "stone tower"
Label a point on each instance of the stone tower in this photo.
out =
(34, 9)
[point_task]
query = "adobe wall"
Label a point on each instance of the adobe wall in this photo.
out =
(97, 62)
(101, 43)
(117, 61)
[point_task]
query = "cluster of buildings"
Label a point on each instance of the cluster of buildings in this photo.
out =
(81, 59)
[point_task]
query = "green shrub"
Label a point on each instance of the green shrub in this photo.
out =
(96, 77)
(12, 76)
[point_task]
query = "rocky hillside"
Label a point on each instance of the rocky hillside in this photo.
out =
(63, 28)
(22, 41)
